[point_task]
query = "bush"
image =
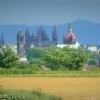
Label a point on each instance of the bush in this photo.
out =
(8, 57)
(67, 57)
(36, 56)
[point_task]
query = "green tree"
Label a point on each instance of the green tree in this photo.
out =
(8, 58)
(36, 56)
(94, 56)
(53, 57)
(74, 58)
(67, 57)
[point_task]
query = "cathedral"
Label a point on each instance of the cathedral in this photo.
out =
(25, 40)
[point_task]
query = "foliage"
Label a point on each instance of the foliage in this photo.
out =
(20, 70)
(53, 73)
(74, 58)
(8, 57)
(53, 57)
(67, 57)
(35, 53)
(36, 56)
(25, 95)
(94, 56)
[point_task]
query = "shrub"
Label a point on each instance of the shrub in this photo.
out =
(67, 57)
(8, 57)
(36, 56)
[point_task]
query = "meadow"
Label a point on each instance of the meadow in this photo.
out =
(24, 95)
(58, 73)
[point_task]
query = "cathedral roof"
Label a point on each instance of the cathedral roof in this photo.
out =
(70, 34)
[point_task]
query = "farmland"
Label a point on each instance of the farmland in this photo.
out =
(68, 88)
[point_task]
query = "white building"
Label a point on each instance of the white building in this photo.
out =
(93, 49)
(76, 45)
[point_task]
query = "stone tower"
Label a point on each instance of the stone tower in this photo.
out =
(20, 43)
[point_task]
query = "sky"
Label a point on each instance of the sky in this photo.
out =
(49, 12)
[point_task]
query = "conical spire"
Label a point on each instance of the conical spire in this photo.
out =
(69, 28)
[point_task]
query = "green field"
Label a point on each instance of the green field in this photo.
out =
(62, 73)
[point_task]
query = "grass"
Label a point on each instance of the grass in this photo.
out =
(60, 73)
(25, 95)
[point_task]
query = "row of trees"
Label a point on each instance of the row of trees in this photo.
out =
(94, 58)
(58, 58)
(52, 57)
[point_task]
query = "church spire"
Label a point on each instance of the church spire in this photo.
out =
(69, 28)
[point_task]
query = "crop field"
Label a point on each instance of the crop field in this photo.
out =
(68, 88)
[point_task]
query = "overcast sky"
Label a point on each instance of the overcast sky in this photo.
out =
(48, 11)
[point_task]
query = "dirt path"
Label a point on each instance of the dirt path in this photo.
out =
(67, 88)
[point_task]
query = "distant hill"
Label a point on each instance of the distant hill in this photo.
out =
(87, 32)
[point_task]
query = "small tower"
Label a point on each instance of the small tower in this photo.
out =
(2, 41)
(27, 40)
(69, 28)
(20, 43)
(39, 36)
(54, 36)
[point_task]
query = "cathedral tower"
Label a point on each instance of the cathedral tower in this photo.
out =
(54, 36)
(21, 43)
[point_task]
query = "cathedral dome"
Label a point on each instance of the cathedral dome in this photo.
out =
(69, 37)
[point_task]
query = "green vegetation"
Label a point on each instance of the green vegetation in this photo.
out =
(36, 56)
(67, 57)
(58, 73)
(62, 62)
(8, 57)
(94, 56)
(25, 95)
